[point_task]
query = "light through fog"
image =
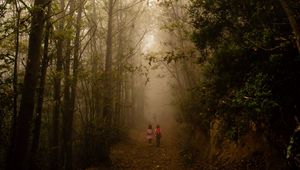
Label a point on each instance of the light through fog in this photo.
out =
(86, 82)
(158, 96)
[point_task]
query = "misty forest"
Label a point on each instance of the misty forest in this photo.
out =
(149, 84)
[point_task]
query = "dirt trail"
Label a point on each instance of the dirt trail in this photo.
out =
(136, 154)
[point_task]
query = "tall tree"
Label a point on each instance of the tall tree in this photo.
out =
(68, 122)
(107, 105)
(67, 87)
(15, 74)
(96, 95)
(119, 69)
(54, 143)
(15, 79)
(40, 93)
(20, 145)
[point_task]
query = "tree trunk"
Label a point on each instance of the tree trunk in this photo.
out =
(67, 86)
(54, 143)
(40, 95)
(19, 155)
(70, 114)
(127, 100)
(119, 75)
(96, 84)
(107, 102)
(133, 100)
(293, 22)
(15, 78)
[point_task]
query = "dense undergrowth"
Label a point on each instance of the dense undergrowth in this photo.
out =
(248, 80)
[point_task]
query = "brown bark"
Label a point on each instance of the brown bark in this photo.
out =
(107, 102)
(70, 113)
(67, 101)
(40, 95)
(18, 160)
(15, 79)
(119, 82)
(54, 143)
(96, 94)
(293, 22)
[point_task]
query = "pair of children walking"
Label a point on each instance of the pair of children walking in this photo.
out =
(150, 134)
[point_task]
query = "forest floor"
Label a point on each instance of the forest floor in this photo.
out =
(134, 152)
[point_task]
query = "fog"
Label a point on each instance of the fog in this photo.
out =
(82, 80)
(158, 97)
(158, 93)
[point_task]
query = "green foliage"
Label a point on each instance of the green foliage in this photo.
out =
(250, 70)
(255, 98)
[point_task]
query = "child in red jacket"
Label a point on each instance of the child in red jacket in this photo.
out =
(158, 135)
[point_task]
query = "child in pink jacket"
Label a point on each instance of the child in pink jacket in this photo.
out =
(149, 134)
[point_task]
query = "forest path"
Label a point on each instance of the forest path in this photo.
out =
(136, 154)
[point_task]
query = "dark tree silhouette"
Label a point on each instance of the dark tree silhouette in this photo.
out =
(20, 146)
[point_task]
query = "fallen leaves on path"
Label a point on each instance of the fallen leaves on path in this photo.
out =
(136, 154)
